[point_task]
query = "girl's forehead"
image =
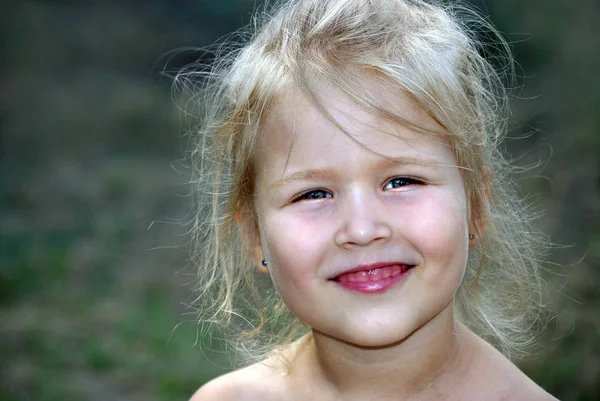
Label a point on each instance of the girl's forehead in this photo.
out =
(369, 96)
(335, 116)
(301, 131)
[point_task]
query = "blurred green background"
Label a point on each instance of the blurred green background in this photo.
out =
(93, 260)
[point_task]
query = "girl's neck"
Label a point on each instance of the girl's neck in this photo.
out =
(418, 366)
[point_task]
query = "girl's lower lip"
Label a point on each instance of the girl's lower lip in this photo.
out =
(373, 287)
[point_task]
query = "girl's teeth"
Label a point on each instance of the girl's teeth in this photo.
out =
(373, 275)
(359, 276)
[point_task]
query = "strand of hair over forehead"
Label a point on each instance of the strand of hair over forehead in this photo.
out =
(403, 41)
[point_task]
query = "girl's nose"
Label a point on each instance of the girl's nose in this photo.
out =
(363, 222)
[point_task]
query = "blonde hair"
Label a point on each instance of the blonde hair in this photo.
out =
(439, 55)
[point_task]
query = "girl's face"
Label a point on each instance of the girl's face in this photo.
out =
(364, 244)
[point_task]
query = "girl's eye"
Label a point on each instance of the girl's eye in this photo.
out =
(314, 194)
(400, 182)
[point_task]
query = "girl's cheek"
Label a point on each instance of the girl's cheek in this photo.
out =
(294, 245)
(439, 220)
(296, 236)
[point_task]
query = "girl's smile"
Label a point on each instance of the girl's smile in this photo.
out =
(372, 279)
(367, 241)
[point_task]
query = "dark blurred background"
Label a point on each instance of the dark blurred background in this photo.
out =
(93, 258)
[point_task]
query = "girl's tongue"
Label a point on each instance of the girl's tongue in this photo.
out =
(373, 275)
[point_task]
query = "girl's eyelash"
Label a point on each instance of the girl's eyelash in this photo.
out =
(323, 194)
(401, 182)
(313, 194)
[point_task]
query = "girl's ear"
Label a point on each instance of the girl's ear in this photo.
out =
(251, 240)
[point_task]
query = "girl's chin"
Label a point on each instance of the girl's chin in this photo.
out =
(374, 340)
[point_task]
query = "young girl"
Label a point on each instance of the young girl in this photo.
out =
(349, 155)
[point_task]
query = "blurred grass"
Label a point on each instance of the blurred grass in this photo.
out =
(87, 307)
(91, 298)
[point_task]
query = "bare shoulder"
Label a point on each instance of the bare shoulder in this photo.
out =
(253, 383)
(502, 379)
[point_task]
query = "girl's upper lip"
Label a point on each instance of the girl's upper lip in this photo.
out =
(372, 266)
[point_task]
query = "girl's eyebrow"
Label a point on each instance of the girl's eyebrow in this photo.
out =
(328, 173)
(391, 162)
(302, 175)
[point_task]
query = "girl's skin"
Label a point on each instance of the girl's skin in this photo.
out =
(325, 205)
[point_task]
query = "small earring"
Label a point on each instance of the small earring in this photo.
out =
(472, 236)
(264, 262)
